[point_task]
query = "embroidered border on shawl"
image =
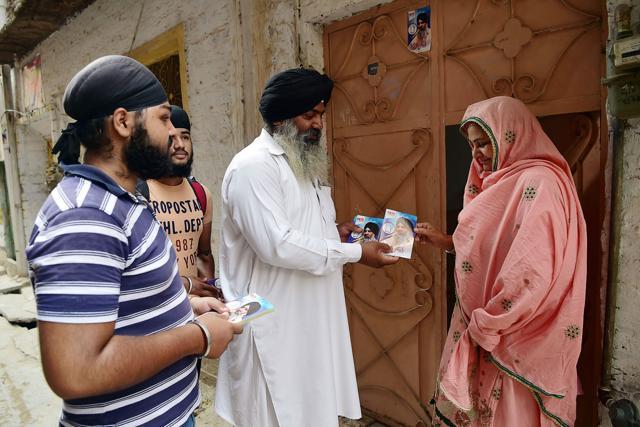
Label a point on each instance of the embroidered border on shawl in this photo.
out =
(544, 410)
(523, 380)
(535, 390)
(489, 132)
(532, 387)
(444, 419)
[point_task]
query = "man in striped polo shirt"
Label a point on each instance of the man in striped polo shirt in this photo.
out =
(118, 337)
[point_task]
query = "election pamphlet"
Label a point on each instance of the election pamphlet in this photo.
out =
(398, 232)
(248, 308)
(370, 229)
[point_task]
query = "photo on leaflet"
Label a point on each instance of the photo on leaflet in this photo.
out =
(398, 231)
(370, 229)
(248, 308)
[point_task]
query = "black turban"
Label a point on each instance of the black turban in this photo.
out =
(180, 118)
(293, 92)
(96, 91)
(109, 83)
(373, 227)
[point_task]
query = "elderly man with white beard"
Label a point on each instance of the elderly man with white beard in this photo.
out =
(280, 240)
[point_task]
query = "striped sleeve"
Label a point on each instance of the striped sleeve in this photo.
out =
(76, 264)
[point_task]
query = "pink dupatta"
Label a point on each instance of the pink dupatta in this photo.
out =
(520, 274)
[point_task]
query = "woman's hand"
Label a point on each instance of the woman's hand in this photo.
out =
(426, 233)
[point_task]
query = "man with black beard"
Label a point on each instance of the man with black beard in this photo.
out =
(422, 39)
(183, 207)
(280, 240)
(118, 337)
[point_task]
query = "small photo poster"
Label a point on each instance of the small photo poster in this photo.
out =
(32, 94)
(370, 229)
(419, 30)
(398, 231)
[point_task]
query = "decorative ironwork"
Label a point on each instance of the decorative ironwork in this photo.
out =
(511, 41)
(380, 110)
(374, 71)
(523, 85)
(374, 86)
(420, 139)
(376, 109)
(512, 38)
(409, 161)
(356, 302)
(168, 72)
(381, 284)
(417, 283)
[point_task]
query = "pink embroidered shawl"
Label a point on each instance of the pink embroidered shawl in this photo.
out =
(520, 265)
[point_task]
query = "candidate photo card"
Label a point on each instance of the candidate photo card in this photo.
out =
(370, 229)
(419, 30)
(398, 231)
(248, 308)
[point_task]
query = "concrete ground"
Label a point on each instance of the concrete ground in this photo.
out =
(26, 399)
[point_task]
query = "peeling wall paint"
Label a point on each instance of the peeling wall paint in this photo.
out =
(622, 374)
(108, 27)
(625, 345)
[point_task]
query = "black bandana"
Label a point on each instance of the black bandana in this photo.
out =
(100, 88)
(293, 92)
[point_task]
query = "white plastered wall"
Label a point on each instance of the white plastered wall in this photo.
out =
(108, 27)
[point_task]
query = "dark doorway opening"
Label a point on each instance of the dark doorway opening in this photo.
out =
(458, 159)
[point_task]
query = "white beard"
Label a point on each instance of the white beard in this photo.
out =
(307, 161)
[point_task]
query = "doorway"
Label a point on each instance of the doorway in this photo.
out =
(577, 136)
(165, 57)
(391, 133)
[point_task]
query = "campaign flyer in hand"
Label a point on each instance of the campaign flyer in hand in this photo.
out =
(248, 308)
(398, 232)
(370, 229)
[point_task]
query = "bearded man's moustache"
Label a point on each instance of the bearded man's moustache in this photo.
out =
(313, 136)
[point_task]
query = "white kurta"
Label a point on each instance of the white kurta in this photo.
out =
(279, 240)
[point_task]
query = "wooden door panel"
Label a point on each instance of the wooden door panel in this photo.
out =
(377, 79)
(386, 127)
(395, 328)
(529, 50)
(384, 156)
(380, 177)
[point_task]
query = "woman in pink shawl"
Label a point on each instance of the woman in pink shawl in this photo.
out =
(515, 335)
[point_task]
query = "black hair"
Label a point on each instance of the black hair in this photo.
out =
(423, 17)
(93, 134)
(253, 307)
(89, 133)
(270, 127)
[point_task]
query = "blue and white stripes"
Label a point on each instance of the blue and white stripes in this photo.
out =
(98, 255)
